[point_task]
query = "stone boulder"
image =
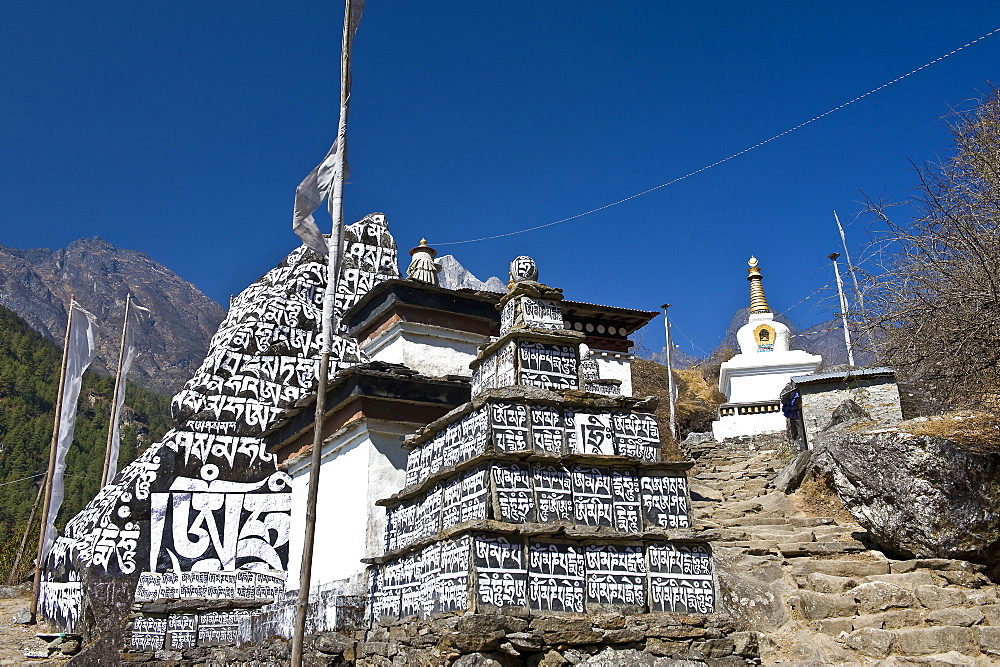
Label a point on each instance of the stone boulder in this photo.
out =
(918, 496)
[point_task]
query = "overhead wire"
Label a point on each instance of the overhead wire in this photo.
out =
(827, 286)
(731, 157)
(23, 479)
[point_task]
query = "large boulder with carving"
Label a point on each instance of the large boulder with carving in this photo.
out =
(918, 493)
(205, 512)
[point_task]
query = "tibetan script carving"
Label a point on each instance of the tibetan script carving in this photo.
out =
(664, 501)
(616, 575)
(547, 430)
(501, 580)
(588, 432)
(553, 493)
(548, 366)
(592, 497)
(512, 488)
(555, 577)
(509, 423)
(680, 578)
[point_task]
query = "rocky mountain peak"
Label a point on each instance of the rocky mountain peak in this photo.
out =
(455, 276)
(37, 285)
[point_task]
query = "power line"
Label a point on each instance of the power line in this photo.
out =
(23, 479)
(731, 157)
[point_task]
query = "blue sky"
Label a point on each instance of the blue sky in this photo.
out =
(181, 129)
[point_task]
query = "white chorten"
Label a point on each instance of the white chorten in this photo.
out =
(752, 380)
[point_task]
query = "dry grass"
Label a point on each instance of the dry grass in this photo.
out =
(976, 431)
(8, 554)
(697, 401)
(816, 496)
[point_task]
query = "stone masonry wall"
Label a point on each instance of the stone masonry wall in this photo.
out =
(880, 399)
(513, 637)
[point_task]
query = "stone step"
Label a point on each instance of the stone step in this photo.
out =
(782, 538)
(941, 564)
(810, 521)
(839, 567)
(887, 620)
(831, 533)
(915, 642)
(875, 597)
(755, 520)
(791, 550)
(753, 547)
(938, 597)
(814, 606)
(724, 535)
(896, 619)
(746, 506)
(957, 616)
(992, 612)
(826, 583)
(909, 580)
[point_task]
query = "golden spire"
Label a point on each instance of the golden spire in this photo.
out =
(758, 303)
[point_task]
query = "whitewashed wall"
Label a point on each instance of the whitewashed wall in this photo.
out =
(359, 466)
(615, 366)
(430, 350)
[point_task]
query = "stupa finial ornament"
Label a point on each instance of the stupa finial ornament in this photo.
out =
(422, 267)
(523, 268)
(758, 303)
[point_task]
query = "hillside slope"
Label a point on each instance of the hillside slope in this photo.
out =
(37, 284)
(29, 378)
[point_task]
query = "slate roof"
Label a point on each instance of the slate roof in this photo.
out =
(844, 375)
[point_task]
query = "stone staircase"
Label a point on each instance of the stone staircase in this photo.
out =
(810, 586)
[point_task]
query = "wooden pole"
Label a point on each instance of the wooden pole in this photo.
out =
(850, 265)
(119, 380)
(24, 538)
(843, 308)
(36, 587)
(334, 261)
(670, 374)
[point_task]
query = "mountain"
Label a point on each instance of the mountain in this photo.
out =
(29, 378)
(455, 276)
(173, 339)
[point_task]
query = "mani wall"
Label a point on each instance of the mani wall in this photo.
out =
(540, 494)
(205, 513)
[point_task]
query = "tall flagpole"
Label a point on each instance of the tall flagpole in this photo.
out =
(119, 379)
(850, 264)
(36, 587)
(843, 308)
(334, 260)
(670, 375)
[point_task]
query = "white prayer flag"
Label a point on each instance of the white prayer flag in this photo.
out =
(79, 353)
(308, 197)
(131, 352)
(317, 186)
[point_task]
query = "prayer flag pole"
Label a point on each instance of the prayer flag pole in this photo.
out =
(24, 538)
(670, 375)
(119, 379)
(334, 261)
(37, 585)
(850, 264)
(843, 308)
